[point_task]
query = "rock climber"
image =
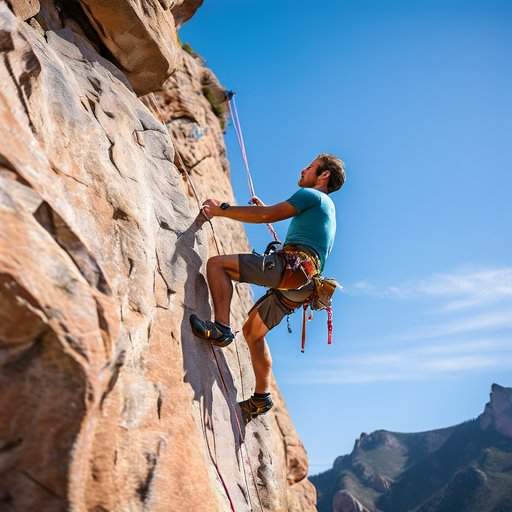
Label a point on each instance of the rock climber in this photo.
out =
(287, 273)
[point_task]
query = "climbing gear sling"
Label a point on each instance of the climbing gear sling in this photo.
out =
(320, 298)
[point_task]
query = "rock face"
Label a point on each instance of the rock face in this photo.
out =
(24, 8)
(465, 467)
(182, 10)
(140, 34)
(108, 403)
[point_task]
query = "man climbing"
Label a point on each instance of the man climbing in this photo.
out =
(287, 273)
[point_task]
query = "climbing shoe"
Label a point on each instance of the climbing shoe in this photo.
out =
(220, 335)
(254, 406)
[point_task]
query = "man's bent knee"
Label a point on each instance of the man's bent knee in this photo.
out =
(228, 263)
(254, 329)
(214, 261)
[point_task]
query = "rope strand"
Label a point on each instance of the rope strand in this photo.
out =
(240, 137)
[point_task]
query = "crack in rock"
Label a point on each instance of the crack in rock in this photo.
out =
(73, 246)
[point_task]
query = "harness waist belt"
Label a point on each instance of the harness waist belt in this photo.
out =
(308, 258)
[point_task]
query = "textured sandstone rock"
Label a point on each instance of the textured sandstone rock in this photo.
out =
(183, 10)
(343, 501)
(141, 35)
(108, 402)
(24, 8)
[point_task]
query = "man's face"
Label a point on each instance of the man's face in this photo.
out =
(308, 177)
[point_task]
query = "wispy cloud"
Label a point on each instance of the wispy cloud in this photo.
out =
(473, 303)
(459, 290)
(495, 320)
(413, 364)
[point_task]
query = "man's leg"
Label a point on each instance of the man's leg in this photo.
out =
(260, 402)
(254, 331)
(220, 270)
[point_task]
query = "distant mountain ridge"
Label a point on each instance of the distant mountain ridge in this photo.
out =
(463, 468)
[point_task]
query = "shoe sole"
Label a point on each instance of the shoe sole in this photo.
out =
(248, 415)
(218, 343)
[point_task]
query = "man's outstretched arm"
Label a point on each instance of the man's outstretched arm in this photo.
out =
(251, 214)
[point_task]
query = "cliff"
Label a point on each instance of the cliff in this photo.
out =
(461, 468)
(108, 402)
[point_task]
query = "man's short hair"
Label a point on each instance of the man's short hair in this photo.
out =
(336, 166)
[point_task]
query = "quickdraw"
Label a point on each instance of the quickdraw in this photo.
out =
(313, 303)
(304, 317)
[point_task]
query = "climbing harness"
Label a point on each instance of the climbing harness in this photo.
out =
(300, 268)
(189, 179)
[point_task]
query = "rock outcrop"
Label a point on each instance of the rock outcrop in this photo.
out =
(497, 414)
(464, 467)
(108, 402)
(343, 501)
(183, 10)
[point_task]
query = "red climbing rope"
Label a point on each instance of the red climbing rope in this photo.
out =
(216, 466)
(240, 137)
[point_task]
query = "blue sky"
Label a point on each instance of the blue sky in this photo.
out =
(416, 98)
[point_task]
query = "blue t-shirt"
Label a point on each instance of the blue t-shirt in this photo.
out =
(315, 224)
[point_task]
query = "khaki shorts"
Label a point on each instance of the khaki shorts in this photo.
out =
(266, 271)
